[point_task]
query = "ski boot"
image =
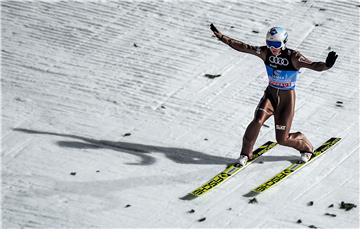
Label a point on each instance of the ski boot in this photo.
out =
(305, 156)
(242, 160)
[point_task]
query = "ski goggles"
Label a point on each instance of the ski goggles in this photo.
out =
(274, 44)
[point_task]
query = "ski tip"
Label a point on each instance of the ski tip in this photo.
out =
(189, 196)
(251, 194)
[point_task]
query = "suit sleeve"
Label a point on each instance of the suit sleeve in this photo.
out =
(300, 61)
(259, 51)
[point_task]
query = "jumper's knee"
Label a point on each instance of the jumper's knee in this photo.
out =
(297, 135)
(287, 139)
(281, 140)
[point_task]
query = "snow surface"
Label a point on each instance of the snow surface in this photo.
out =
(78, 76)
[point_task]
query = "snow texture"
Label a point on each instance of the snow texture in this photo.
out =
(108, 118)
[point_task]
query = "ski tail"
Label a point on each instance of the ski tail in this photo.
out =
(292, 168)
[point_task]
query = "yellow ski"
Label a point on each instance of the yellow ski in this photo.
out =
(230, 171)
(292, 168)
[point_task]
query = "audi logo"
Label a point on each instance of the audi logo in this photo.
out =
(278, 60)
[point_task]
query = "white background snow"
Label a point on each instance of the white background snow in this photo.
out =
(77, 76)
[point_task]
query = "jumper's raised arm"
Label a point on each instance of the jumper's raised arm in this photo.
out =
(239, 45)
(300, 61)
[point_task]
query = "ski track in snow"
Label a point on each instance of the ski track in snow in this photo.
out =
(78, 76)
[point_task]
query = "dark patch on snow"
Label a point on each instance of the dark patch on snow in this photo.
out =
(229, 209)
(322, 9)
(128, 205)
(255, 31)
(347, 206)
(212, 76)
(73, 173)
(127, 134)
(191, 211)
(112, 101)
(329, 214)
(163, 107)
(331, 206)
(202, 219)
(311, 203)
(135, 45)
(20, 99)
(205, 139)
(98, 171)
(339, 104)
(312, 226)
(253, 201)
(299, 221)
(266, 126)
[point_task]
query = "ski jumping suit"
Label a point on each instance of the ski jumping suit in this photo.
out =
(279, 96)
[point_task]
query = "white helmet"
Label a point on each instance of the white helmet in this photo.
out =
(276, 37)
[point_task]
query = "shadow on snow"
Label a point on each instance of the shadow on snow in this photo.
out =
(178, 155)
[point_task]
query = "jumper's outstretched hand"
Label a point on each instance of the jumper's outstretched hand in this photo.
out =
(330, 59)
(215, 31)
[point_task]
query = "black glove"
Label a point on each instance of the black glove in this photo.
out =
(330, 59)
(213, 28)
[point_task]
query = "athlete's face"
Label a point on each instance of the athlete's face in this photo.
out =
(275, 51)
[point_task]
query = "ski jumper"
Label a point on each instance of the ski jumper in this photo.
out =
(279, 96)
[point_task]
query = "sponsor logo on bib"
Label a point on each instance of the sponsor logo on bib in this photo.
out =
(279, 60)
